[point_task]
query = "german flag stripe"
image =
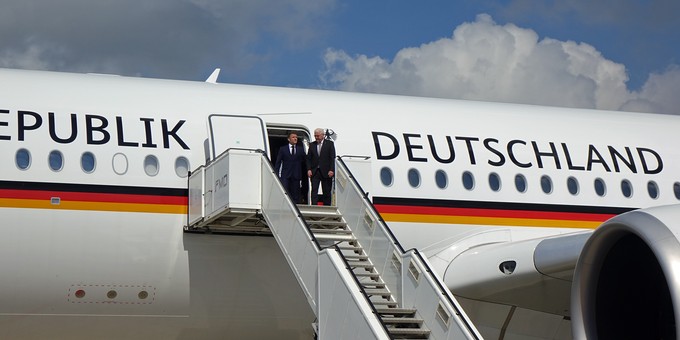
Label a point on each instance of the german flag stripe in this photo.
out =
(63, 196)
(493, 213)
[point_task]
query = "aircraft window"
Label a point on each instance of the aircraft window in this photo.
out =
(87, 162)
(468, 180)
(546, 184)
(23, 159)
(626, 188)
(676, 190)
(120, 163)
(414, 178)
(386, 176)
(56, 160)
(151, 165)
(182, 167)
(494, 181)
(600, 187)
(653, 189)
(441, 179)
(521, 183)
(572, 185)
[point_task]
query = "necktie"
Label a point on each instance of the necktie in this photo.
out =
(293, 148)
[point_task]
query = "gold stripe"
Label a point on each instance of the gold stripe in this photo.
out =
(94, 206)
(504, 221)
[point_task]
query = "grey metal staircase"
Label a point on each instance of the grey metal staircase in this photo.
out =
(358, 280)
(331, 230)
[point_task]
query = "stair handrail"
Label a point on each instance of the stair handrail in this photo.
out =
(335, 247)
(445, 292)
(270, 168)
(368, 203)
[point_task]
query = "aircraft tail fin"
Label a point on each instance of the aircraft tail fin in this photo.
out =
(213, 76)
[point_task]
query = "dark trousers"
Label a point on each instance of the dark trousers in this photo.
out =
(292, 187)
(326, 186)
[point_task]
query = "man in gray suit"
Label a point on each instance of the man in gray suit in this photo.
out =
(321, 166)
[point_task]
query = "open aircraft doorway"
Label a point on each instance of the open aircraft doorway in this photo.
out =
(278, 137)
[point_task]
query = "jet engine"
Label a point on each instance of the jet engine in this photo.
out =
(626, 284)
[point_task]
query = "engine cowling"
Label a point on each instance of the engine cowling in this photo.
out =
(627, 279)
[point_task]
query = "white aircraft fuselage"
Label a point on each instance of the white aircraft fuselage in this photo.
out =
(94, 194)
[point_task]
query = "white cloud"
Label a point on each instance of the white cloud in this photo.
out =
(486, 61)
(659, 94)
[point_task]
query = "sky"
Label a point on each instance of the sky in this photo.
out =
(606, 54)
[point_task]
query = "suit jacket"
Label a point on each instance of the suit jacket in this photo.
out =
(325, 160)
(288, 165)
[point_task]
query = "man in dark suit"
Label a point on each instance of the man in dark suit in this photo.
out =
(321, 166)
(288, 166)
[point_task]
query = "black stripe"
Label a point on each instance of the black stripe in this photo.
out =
(93, 188)
(421, 202)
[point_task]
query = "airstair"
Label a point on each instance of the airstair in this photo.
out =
(358, 280)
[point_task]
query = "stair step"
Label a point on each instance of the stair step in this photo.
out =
(371, 275)
(355, 257)
(393, 320)
(377, 291)
(351, 248)
(384, 303)
(330, 231)
(328, 223)
(396, 311)
(357, 261)
(370, 282)
(364, 264)
(420, 333)
(342, 226)
(333, 237)
(318, 211)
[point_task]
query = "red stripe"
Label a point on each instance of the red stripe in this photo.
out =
(552, 215)
(93, 197)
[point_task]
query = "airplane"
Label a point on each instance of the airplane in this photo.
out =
(542, 222)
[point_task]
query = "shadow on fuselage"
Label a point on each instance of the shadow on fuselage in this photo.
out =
(242, 287)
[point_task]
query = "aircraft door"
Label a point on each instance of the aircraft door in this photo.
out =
(234, 131)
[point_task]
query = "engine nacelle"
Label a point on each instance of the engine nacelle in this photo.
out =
(627, 280)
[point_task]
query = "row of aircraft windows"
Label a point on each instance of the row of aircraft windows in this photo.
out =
(88, 163)
(521, 184)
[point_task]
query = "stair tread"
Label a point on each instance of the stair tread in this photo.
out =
(394, 320)
(361, 265)
(333, 237)
(327, 222)
(367, 274)
(351, 248)
(357, 261)
(381, 303)
(395, 311)
(330, 231)
(318, 210)
(409, 331)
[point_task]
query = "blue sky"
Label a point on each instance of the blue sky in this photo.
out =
(644, 37)
(607, 54)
